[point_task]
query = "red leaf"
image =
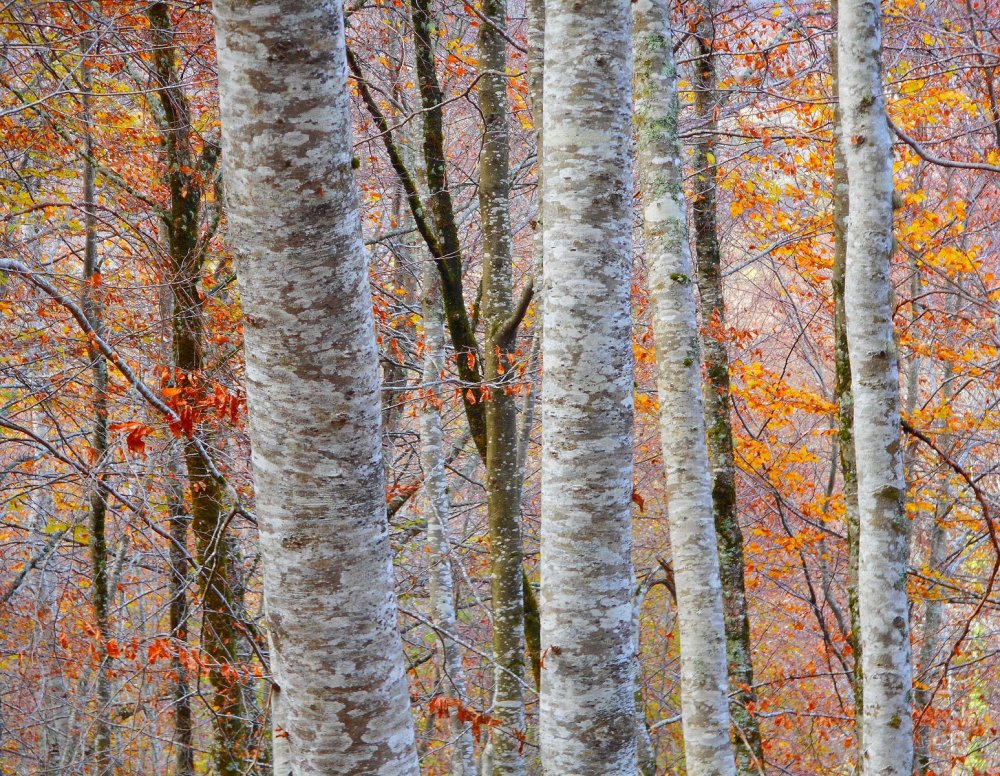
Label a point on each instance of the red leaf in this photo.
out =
(135, 437)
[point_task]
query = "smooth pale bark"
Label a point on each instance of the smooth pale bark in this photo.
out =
(843, 393)
(587, 713)
(339, 698)
(884, 528)
(432, 460)
(704, 700)
(718, 420)
(52, 693)
(933, 634)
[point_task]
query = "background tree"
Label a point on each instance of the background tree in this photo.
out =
(774, 184)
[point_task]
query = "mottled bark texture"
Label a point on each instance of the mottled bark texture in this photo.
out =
(503, 481)
(339, 697)
(705, 704)
(884, 528)
(216, 577)
(729, 535)
(843, 393)
(432, 460)
(587, 713)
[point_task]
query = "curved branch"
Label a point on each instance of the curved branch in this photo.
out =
(938, 160)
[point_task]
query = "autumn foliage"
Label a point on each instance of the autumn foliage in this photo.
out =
(775, 157)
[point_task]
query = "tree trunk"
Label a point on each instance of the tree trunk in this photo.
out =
(729, 536)
(645, 751)
(53, 695)
(587, 713)
(94, 310)
(930, 645)
(535, 10)
(439, 513)
(220, 636)
(179, 617)
(491, 417)
(448, 249)
(339, 695)
(842, 388)
(705, 704)
(503, 483)
(884, 528)
(939, 560)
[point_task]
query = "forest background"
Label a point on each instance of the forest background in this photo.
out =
(132, 635)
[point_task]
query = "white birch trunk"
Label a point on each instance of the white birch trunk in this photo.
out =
(704, 700)
(587, 712)
(340, 701)
(883, 550)
(432, 460)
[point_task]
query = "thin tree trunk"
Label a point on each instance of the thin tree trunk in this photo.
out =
(220, 636)
(444, 243)
(339, 697)
(536, 67)
(842, 388)
(94, 311)
(439, 513)
(447, 248)
(884, 528)
(587, 713)
(934, 612)
(645, 751)
(56, 741)
(503, 484)
(705, 704)
(932, 638)
(178, 570)
(179, 616)
(729, 536)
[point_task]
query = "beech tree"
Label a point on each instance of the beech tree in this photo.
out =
(339, 696)
(135, 602)
(439, 513)
(188, 224)
(884, 527)
(843, 392)
(717, 385)
(587, 719)
(682, 420)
